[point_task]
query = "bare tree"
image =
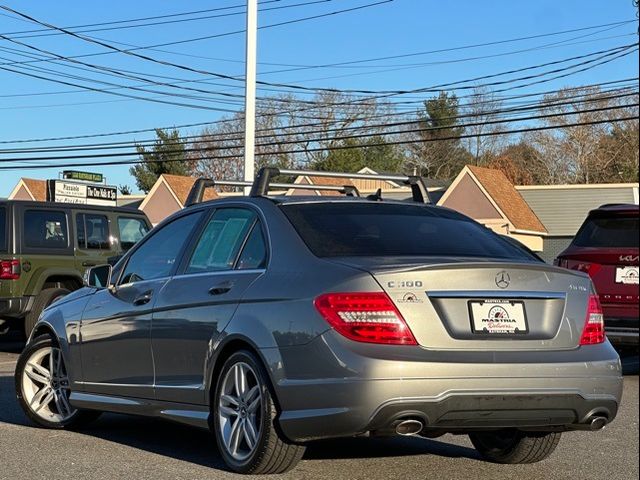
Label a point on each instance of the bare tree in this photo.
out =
(484, 142)
(585, 153)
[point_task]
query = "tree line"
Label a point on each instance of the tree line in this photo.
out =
(572, 137)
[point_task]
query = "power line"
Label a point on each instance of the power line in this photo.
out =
(190, 40)
(229, 77)
(166, 22)
(490, 114)
(348, 137)
(606, 53)
(634, 81)
(338, 147)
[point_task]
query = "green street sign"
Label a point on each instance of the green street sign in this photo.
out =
(82, 176)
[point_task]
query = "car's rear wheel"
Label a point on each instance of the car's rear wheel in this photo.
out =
(513, 446)
(42, 387)
(45, 298)
(244, 419)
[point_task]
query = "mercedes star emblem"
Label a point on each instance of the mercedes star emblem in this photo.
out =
(503, 279)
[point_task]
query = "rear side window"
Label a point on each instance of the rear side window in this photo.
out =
(3, 229)
(360, 229)
(131, 231)
(45, 229)
(612, 232)
(92, 231)
(221, 240)
(254, 253)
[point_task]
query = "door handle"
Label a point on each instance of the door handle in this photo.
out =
(143, 299)
(221, 288)
(89, 264)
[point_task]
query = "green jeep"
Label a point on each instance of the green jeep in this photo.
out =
(46, 247)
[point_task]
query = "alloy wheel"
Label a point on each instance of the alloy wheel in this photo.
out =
(45, 385)
(240, 411)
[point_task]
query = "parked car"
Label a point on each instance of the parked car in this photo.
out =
(274, 321)
(45, 249)
(606, 248)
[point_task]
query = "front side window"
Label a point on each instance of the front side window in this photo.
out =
(92, 231)
(45, 229)
(131, 231)
(158, 255)
(221, 240)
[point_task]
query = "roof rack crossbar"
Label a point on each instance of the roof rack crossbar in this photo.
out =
(419, 189)
(196, 194)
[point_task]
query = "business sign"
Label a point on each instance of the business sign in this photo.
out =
(63, 191)
(82, 176)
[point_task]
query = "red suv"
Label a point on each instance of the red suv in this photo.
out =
(606, 247)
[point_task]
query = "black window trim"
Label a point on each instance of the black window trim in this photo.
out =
(154, 232)
(25, 249)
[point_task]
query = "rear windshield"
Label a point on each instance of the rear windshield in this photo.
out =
(612, 232)
(3, 229)
(359, 229)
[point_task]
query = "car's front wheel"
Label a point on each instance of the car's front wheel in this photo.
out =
(42, 387)
(513, 446)
(244, 420)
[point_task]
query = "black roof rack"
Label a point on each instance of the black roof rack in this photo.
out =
(196, 194)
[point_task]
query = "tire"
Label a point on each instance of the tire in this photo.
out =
(515, 447)
(271, 452)
(32, 381)
(45, 298)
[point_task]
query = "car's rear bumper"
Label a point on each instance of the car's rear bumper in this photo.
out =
(560, 390)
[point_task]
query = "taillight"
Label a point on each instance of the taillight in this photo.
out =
(589, 268)
(594, 324)
(10, 269)
(365, 317)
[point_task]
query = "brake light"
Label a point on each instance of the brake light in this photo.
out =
(594, 324)
(10, 269)
(589, 268)
(365, 317)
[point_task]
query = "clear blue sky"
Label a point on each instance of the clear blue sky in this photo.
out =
(397, 27)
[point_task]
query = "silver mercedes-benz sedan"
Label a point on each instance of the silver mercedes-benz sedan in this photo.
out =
(275, 321)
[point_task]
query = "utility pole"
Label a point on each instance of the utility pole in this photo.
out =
(250, 92)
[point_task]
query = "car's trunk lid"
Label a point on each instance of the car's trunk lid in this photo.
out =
(450, 303)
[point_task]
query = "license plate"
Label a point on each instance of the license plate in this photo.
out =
(627, 275)
(498, 317)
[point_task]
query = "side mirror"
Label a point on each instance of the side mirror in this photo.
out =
(98, 276)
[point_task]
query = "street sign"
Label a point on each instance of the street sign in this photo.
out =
(63, 191)
(83, 176)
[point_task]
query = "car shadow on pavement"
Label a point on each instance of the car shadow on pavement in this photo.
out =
(198, 446)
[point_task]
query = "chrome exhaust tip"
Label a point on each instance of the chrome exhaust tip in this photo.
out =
(598, 423)
(409, 427)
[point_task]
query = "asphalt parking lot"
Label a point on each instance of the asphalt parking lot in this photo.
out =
(119, 446)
